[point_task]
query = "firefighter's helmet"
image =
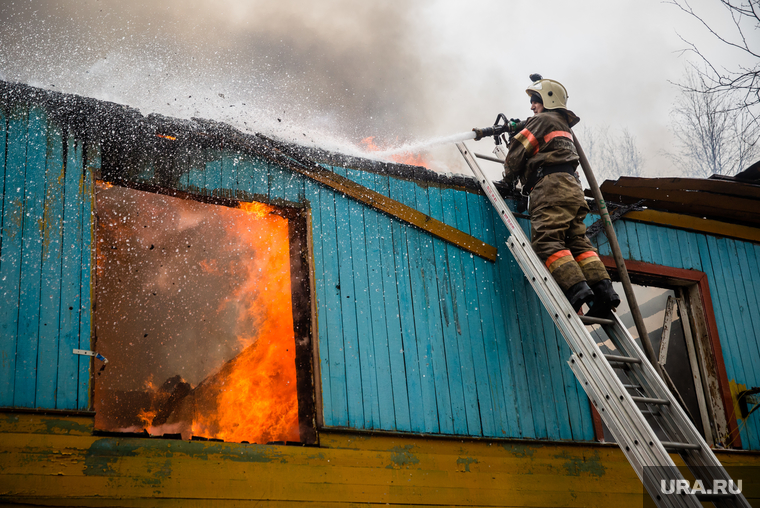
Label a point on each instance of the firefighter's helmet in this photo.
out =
(553, 94)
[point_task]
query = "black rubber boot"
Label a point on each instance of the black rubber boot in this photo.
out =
(578, 294)
(605, 299)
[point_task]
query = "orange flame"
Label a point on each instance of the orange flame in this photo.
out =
(260, 210)
(146, 417)
(401, 157)
(256, 395)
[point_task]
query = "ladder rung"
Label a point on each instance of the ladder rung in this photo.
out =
(587, 320)
(648, 400)
(669, 445)
(621, 359)
(633, 387)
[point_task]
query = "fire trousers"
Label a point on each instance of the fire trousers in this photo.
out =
(558, 234)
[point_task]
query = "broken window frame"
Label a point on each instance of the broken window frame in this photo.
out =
(693, 299)
(301, 275)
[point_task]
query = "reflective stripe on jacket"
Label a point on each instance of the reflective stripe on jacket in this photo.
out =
(545, 141)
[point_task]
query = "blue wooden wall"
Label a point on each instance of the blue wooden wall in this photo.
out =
(45, 262)
(414, 334)
(733, 272)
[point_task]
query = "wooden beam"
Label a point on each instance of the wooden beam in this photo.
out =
(665, 339)
(701, 203)
(716, 187)
(393, 208)
(696, 224)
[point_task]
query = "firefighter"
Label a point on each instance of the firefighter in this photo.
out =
(543, 157)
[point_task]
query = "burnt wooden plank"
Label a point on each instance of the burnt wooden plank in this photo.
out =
(707, 186)
(31, 260)
(71, 284)
(323, 382)
(91, 167)
(731, 208)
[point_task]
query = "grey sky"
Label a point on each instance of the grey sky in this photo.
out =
(336, 71)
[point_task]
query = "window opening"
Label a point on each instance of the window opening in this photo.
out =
(194, 312)
(666, 313)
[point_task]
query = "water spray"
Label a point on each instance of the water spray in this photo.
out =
(416, 147)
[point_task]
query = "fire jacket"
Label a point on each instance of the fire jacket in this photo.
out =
(545, 141)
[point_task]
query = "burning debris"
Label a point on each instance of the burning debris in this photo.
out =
(198, 295)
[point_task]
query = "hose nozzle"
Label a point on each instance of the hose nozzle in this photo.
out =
(499, 127)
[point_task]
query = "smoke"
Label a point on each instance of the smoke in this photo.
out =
(334, 72)
(331, 74)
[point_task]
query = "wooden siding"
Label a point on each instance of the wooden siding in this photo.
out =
(56, 461)
(732, 268)
(45, 262)
(416, 334)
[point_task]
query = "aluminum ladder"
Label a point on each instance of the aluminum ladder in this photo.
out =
(612, 397)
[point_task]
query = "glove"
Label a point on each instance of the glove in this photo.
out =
(514, 126)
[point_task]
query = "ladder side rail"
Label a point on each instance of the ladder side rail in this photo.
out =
(491, 193)
(573, 330)
(599, 369)
(628, 448)
(578, 337)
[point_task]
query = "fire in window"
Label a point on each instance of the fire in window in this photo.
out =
(194, 313)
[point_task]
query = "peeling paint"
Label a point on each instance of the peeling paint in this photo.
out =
(522, 451)
(463, 464)
(402, 456)
(576, 465)
(105, 452)
(66, 427)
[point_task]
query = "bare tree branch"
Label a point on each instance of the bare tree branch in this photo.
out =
(612, 155)
(713, 137)
(745, 15)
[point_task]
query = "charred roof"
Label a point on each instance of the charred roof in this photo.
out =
(729, 199)
(130, 140)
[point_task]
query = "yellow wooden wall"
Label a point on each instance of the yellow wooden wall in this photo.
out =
(56, 461)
